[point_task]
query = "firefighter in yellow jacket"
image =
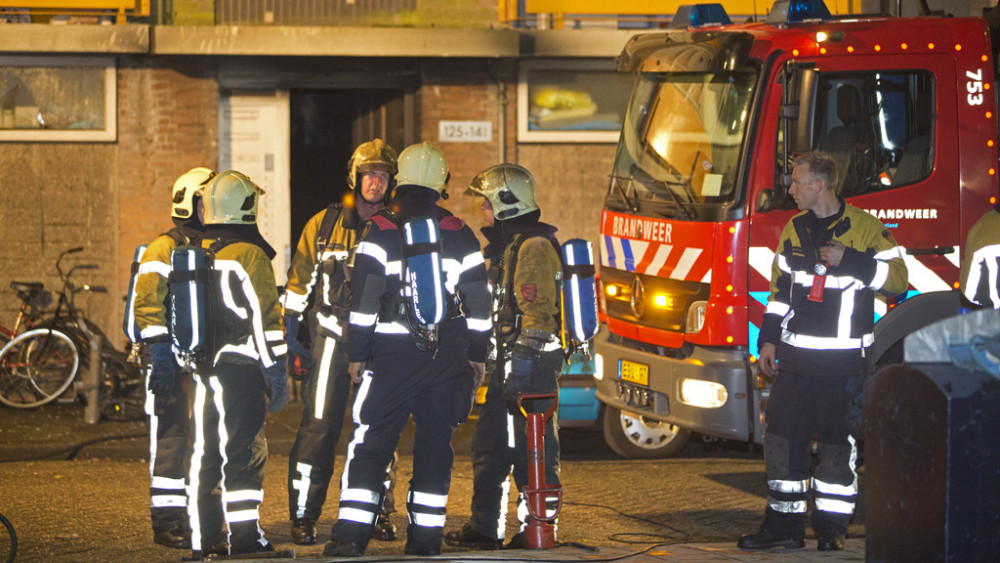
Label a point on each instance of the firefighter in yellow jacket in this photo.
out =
(243, 367)
(526, 356)
(167, 403)
(831, 260)
(980, 279)
(320, 270)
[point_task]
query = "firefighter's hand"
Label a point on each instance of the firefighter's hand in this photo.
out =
(299, 359)
(832, 252)
(163, 368)
(766, 360)
(356, 370)
(522, 363)
(277, 386)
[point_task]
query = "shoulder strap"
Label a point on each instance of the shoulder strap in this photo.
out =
(326, 227)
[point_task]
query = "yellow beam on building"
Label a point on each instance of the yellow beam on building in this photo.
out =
(121, 8)
(664, 7)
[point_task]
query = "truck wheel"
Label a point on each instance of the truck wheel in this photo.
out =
(634, 436)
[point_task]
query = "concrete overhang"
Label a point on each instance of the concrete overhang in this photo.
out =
(52, 39)
(311, 41)
(334, 41)
(593, 43)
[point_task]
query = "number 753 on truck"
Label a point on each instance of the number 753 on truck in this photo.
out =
(699, 191)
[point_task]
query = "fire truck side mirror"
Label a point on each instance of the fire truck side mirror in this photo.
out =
(799, 107)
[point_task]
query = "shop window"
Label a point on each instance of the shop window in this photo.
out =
(571, 101)
(57, 99)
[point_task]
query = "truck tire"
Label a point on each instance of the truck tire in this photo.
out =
(634, 436)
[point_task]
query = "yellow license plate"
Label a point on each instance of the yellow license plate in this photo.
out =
(633, 372)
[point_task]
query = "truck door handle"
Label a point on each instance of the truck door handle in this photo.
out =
(938, 250)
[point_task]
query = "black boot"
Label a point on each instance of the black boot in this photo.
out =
(471, 538)
(766, 539)
(342, 548)
(303, 531)
(177, 537)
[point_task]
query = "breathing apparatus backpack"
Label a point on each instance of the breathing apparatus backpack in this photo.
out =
(423, 301)
(197, 326)
(579, 295)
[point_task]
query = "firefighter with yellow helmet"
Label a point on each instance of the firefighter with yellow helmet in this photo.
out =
(239, 378)
(526, 354)
(318, 274)
(167, 401)
(404, 367)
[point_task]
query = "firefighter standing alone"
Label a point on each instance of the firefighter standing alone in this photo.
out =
(167, 403)
(320, 269)
(400, 369)
(242, 367)
(525, 270)
(830, 261)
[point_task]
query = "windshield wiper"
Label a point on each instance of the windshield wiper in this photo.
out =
(616, 181)
(645, 179)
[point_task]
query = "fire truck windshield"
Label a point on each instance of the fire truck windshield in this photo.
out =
(681, 142)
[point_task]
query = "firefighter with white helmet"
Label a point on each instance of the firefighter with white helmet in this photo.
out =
(167, 402)
(402, 369)
(526, 355)
(235, 378)
(319, 274)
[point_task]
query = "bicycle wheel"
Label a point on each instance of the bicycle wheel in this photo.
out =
(36, 367)
(123, 393)
(8, 540)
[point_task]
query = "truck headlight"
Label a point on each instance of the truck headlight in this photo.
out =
(598, 367)
(704, 394)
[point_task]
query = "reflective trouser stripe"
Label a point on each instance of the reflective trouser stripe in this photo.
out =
(427, 509)
(323, 377)
(788, 496)
(301, 486)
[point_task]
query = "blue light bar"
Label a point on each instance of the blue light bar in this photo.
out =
(797, 11)
(700, 15)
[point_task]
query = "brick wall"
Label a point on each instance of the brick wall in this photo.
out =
(168, 124)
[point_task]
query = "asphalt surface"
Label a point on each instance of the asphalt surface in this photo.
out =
(78, 492)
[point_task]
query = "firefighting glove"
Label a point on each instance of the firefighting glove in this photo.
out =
(277, 386)
(522, 363)
(299, 358)
(162, 369)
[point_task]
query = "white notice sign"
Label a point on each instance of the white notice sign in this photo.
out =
(465, 131)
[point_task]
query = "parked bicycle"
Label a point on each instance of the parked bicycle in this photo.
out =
(33, 298)
(39, 365)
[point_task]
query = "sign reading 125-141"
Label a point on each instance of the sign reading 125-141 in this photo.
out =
(465, 131)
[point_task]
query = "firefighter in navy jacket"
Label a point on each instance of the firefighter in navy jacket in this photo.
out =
(396, 377)
(242, 369)
(525, 269)
(980, 279)
(831, 260)
(319, 269)
(167, 404)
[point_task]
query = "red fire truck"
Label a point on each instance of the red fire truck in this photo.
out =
(698, 194)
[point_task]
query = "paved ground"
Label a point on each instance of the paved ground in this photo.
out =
(93, 507)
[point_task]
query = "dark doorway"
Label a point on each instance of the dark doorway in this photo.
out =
(326, 126)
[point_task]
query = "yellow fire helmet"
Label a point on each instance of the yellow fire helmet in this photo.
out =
(185, 189)
(231, 199)
(422, 165)
(509, 188)
(373, 155)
